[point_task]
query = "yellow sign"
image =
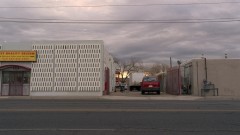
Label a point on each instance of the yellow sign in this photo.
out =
(18, 56)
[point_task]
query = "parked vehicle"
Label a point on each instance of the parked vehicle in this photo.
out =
(150, 84)
(122, 86)
(135, 80)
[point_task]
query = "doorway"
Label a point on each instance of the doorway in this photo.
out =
(15, 83)
(15, 80)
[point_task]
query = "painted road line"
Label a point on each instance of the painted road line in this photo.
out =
(118, 110)
(125, 129)
(53, 129)
(4, 97)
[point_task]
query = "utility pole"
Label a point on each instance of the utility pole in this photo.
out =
(179, 77)
(170, 62)
(205, 63)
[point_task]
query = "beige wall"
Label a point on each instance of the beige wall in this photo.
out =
(224, 73)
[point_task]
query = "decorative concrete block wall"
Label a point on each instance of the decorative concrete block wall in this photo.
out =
(42, 72)
(68, 68)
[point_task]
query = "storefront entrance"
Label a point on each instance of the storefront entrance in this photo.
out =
(15, 81)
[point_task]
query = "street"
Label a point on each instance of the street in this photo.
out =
(107, 117)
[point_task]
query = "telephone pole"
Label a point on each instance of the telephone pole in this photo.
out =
(170, 62)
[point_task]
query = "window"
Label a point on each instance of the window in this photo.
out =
(149, 79)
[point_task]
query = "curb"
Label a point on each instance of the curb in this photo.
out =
(185, 98)
(221, 98)
(109, 97)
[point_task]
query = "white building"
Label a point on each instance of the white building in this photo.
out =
(61, 68)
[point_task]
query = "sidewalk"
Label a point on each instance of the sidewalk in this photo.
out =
(152, 98)
(221, 98)
(136, 95)
(106, 97)
(127, 95)
(50, 97)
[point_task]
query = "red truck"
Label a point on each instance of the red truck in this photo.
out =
(150, 84)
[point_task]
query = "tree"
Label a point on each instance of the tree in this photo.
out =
(128, 66)
(157, 68)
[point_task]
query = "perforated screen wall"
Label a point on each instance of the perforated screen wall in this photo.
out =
(42, 70)
(68, 67)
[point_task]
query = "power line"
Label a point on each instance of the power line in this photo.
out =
(118, 22)
(126, 21)
(123, 5)
(123, 20)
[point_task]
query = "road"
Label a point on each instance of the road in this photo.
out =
(116, 117)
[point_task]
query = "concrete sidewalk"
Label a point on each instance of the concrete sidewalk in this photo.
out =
(106, 98)
(221, 98)
(173, 98)
(149, 97)
(127, 96)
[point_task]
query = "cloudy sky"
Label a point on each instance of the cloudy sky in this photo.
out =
(181, 29)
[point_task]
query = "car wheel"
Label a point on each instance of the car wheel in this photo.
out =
(143, 92)
(158, 92)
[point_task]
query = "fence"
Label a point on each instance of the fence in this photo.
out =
(173, 81)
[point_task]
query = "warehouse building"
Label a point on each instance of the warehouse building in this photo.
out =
(209, 77)
(56, 68)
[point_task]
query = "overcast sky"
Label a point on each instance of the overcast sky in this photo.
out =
(152, 42)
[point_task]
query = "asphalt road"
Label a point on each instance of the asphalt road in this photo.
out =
(107, 117)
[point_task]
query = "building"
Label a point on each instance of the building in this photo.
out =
(222, 74)
(56, 68)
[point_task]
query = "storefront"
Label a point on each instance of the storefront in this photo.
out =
(56, 68)
(15, 80)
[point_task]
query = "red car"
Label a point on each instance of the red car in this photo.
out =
(150, 84)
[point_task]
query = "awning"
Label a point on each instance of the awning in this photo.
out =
(14, 66)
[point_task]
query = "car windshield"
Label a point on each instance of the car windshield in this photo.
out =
(149, 79)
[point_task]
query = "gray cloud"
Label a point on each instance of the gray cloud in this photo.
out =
(150, 42)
